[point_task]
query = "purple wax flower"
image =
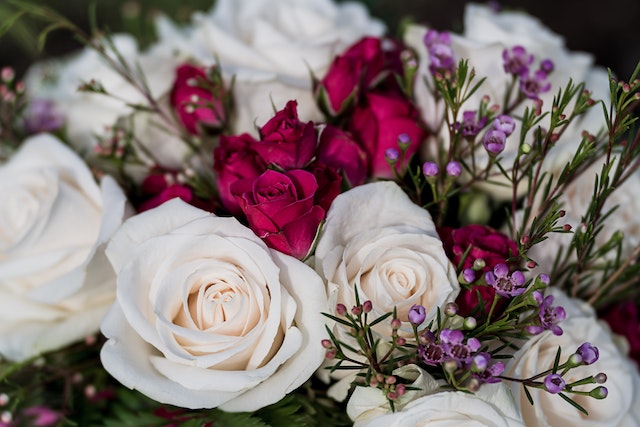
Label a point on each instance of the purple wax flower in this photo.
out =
(469, 275)
(392, 154)
(516, 60)
(452, 343)
(434, 37)
(404, 140)
(42, 116)
(547, 66)
(431, 353)
(554, 383)
(533, 85)
(470, 127)
(494, 141)
(417, 314)
(549, 315)
(484, 370)
(505, 124)
(453, 169)
(505, 284)
(430, 169)
(441, 58)
(588, 353)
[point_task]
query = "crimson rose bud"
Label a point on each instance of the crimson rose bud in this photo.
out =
(285, 141)
(197, 100)
(338, 149)
(280, 209)
(234, 159)
(378, 123)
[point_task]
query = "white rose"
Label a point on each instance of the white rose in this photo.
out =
(271, 47)
(55, 281)
(206, 315)
(487, 34)
(89, 116)
(575, 201)
(620, 408)
(378, 242)
(491, 406)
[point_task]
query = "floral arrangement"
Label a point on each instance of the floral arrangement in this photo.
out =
(279, 215)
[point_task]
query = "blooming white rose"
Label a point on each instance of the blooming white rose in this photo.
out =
(55, 281)
(486, 35)
(389, 253)
(271, 47)
(491, 406)
(89, 116)
(620, 408)
(206, 315)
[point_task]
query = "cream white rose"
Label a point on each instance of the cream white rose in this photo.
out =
(389, 252)
(55, 281)
(486, 35)
(206, 315)
(491, 406)
(89, 116)
(620, 408)
(271, 47)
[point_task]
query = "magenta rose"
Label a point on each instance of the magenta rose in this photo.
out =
(280, 209)
(157, 189)
(198, 99)
(624, 320)
(338, 149)
(484, 243)
(351, 72)
(235, 159)
(329, 184)
(285, 141)
(377, 125)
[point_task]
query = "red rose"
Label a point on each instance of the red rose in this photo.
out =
(624, 320)
(197, 99)
(234, 159)
(157, 189)
(352, 71)
(482, 242)
(329, 184)
(285, 141)
(338, 149)
(280, 209)
(379, 122)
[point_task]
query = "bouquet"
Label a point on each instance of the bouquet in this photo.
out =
(278, 214)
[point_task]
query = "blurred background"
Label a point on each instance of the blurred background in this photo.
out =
(610, 30)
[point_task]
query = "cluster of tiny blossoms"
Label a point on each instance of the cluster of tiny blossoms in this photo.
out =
(462, 352)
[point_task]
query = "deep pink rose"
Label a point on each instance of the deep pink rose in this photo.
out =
(329, 184)
(157, 189)
(197, 99)
(624, 320)
(285, 141)
(353, 71)
(234, 159)
(280, 209)
(337, 148)
(482, 242)
(377, 125)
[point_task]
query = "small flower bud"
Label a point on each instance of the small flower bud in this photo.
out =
(400, 341)
(599, 392)
(468, 275)
(396, 323)
(588, 353)
(525, 240)
(450, 365)
(6, 417)
(341, 309)
(454, 169)
(544, 278)
(479, 264)
(373, 382)
(470, 323)
(600, 378)
(430, 169)
(392, 395)
(330, 354)
(326, 343)
(450, 309)
(525, 148)
(90, 391)
(473, 385)
(404, 141)
(4, 399)
(575, 360)
(392, 154)
(417, 314)
(367, 306)
(554, 383)
(531, 264)
(390, 379)
(401, 389)
(566, 227)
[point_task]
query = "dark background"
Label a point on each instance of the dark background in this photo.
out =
(608, 29)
